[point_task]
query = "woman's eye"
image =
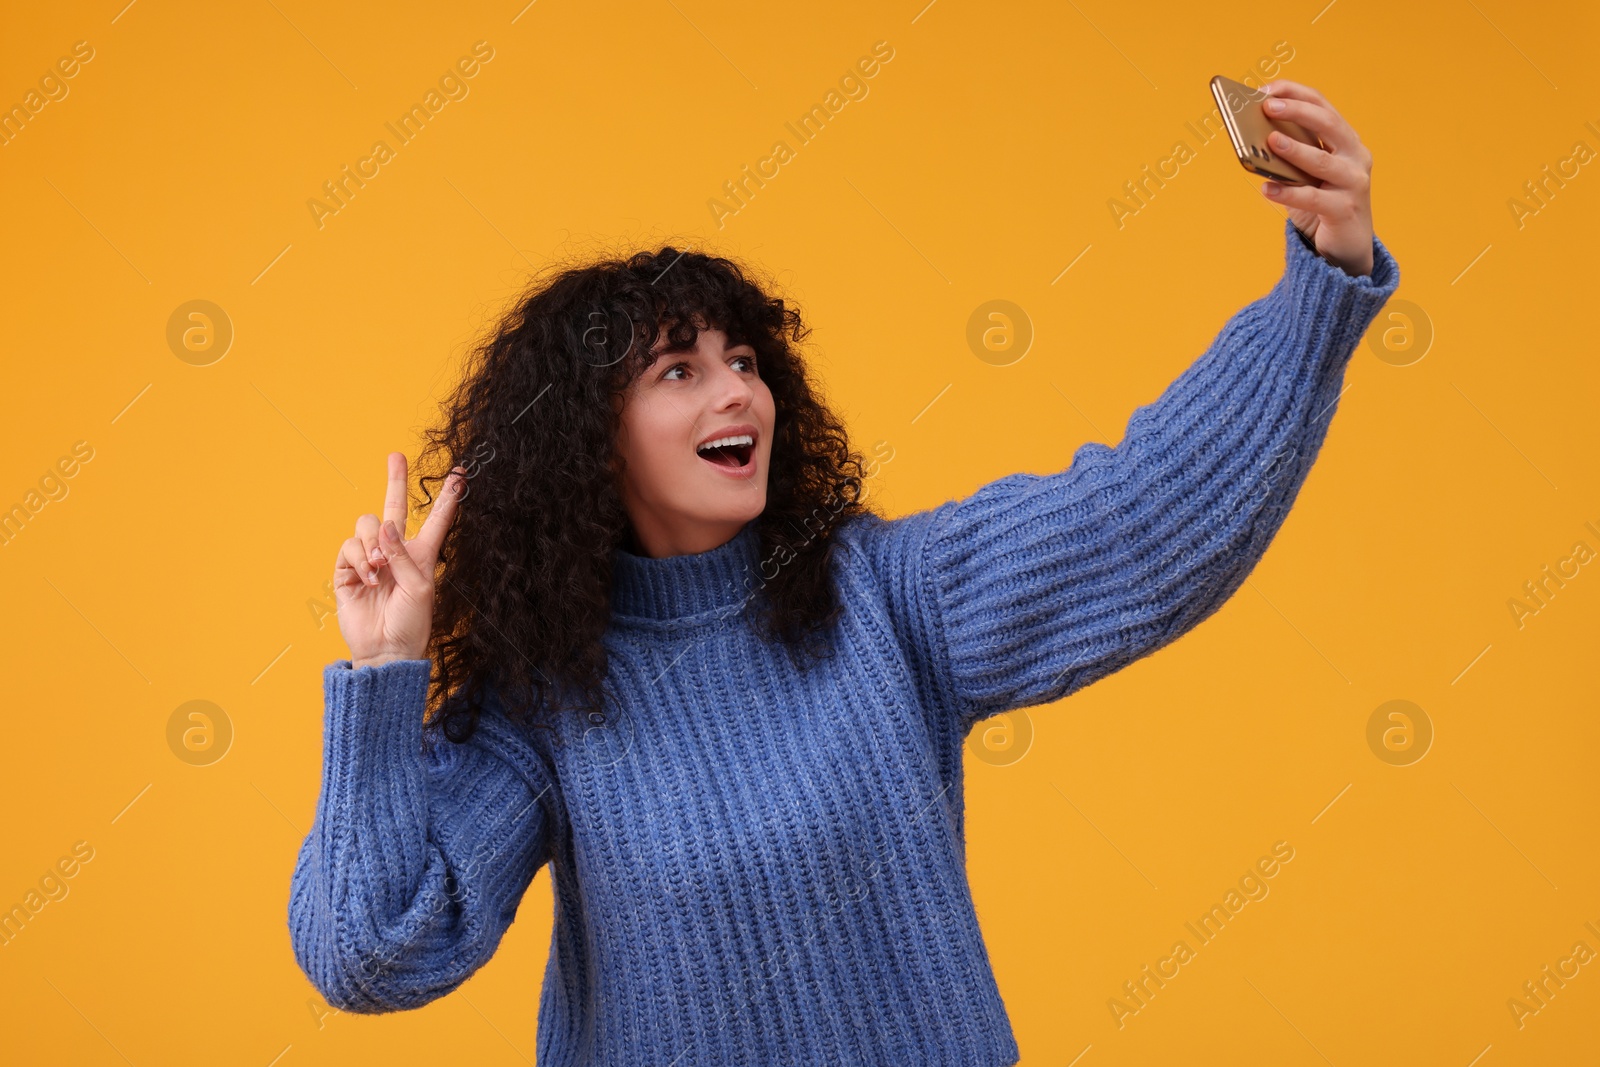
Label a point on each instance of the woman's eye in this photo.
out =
(667, 375)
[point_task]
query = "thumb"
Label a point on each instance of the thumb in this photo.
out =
(406, 571)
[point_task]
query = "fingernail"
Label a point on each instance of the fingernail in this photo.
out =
(1271, 189)
(1274, 104)
(388, 530)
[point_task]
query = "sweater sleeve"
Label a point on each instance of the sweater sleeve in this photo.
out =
(419, 854)
(1034, 586)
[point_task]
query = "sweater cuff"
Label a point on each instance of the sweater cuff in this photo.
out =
(1348, 303)
(374, 718)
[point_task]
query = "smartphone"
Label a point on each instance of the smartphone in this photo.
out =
(1248, 127)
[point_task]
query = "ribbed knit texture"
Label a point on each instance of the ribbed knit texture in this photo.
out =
(754, 865)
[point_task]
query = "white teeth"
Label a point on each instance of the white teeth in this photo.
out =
(738, 439)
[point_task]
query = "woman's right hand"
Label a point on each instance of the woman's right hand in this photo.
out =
(384, 585)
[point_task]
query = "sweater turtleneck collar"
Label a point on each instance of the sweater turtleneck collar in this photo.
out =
(675, 587)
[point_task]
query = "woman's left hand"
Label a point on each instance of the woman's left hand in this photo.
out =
(1337, 213)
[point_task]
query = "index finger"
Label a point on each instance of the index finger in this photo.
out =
(1296, 91)
(394, 502)
(442, 513)
(1332, 128)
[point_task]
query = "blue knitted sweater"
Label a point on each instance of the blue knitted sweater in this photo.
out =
(757, 865)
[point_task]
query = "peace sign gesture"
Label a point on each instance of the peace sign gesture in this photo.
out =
(383, 583)
(1337, 214)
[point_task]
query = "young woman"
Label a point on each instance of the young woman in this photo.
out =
(675, 656)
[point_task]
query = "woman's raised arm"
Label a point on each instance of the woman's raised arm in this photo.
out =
(1037, 585)
(418, 855)
(417, 859)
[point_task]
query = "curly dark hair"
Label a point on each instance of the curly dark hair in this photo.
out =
(524, 580)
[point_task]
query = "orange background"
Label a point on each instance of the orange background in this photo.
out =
(185, 560)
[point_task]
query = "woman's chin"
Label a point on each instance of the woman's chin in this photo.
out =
(740, 506)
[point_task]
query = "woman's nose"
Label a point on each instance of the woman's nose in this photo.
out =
(733, 387)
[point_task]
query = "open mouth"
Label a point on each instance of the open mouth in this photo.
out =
(728, 455)
(734, 451)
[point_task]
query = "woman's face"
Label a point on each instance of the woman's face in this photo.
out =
(682, 500)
